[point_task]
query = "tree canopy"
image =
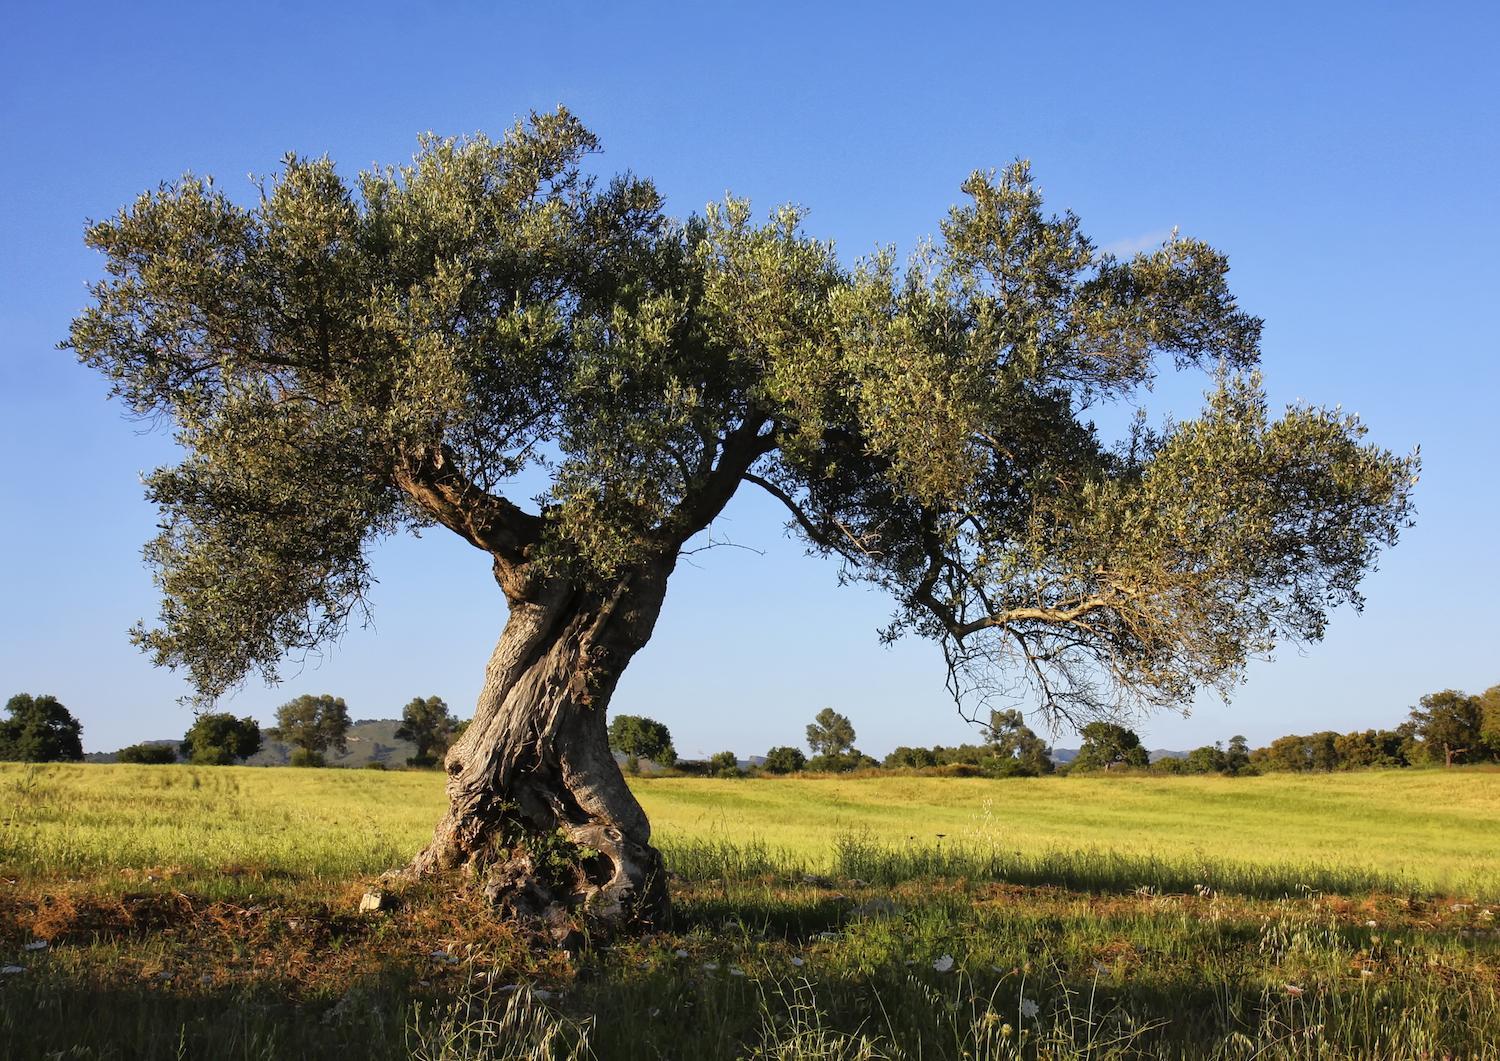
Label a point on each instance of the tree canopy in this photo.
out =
(642, 738)
(429, 725)
(313, 724)
(1107, 745)
(39, 730)
(344, 359)
(1450, 724)
(217, 738)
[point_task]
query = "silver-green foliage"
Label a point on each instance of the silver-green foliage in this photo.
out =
(343, 360)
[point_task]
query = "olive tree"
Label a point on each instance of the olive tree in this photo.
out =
(1107, 745)
(217, 738)
(39, 729)
(312, 725)
(429, 725)
(344, 359)
(639, 737)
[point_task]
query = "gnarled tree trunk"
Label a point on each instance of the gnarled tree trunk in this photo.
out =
(535, 762)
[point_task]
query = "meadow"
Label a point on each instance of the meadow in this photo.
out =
(211, 912)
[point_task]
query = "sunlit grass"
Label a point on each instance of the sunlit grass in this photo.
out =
(210, 912)
(243, 828)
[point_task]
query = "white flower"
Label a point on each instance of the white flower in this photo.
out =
(1029, 1009)
(1369, 924)
(944, 964)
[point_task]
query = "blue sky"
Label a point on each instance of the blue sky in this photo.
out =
(1345, 156)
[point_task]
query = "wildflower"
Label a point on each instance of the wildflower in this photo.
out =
(1370, 924)
(944, 964)
(1294, 990)
(1029, 1009)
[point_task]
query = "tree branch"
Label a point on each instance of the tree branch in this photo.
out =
(433, 480)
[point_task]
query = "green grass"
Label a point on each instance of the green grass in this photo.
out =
(1429, 829)
(210, 913)
(1425, 830)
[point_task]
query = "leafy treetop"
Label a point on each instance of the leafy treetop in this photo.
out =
(346, 359)
(314, 724)
(40, 730)
(644, 738)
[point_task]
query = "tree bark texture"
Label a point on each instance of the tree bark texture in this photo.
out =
(535, 762)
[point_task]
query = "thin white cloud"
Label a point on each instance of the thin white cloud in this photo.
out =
(1132, 245)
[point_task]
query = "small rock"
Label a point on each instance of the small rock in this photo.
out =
(372, 902)
(36, 944)
(543, 994)
(680, 953)
(11, 970)
(735, 970)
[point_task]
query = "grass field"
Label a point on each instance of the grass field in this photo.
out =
(210, 913)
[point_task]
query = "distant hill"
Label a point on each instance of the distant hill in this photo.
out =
(371, 740)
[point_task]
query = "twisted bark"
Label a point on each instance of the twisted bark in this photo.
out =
(535, 762)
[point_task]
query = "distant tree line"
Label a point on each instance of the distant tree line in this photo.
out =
(1446, 729)
(40, 729)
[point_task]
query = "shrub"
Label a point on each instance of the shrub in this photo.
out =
(148, 754)
(304, 757)
(784, 760)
